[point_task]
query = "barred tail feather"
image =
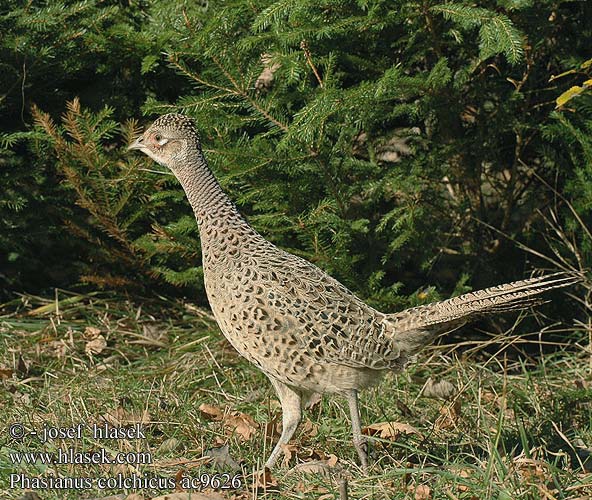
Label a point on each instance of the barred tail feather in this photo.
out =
(433, 319)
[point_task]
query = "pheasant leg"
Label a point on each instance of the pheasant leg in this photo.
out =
(291, 402)
(359, 439)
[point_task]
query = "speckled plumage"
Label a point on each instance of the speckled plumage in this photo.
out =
(305, 330)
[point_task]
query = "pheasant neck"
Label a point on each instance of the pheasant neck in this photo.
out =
(210, 203)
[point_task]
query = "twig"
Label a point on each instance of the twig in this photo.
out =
(306, 50)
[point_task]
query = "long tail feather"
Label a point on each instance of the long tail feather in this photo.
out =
(458, 310)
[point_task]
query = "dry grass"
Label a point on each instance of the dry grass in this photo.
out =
(515, 427)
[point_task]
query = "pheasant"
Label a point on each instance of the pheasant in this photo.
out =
(306, 331)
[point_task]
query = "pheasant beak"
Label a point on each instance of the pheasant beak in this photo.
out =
(137, 144)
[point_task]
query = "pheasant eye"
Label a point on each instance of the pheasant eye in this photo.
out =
(160, 140)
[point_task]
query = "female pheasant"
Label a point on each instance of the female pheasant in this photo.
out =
(306, 331)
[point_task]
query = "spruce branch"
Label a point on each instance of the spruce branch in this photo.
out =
(240, 91)
(497, 33)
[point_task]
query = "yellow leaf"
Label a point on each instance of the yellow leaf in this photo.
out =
(586, 64)
(588, 83)
(561, 75)
(568, 95)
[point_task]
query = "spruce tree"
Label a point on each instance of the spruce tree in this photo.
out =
(388, 142)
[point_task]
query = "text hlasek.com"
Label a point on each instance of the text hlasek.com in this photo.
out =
(99, 456)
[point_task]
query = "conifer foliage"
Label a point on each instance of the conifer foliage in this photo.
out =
(378, 139)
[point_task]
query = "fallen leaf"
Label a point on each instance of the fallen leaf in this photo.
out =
(289, 452)
(152, 331)
(178, 479)
(22, 368)
(21, 399)
(91, 332)
(306, 455)
(404, 409)
(5, 372)
(321, 467)
(220, 440)
(332, 460)
(244, 495)
(422, 492)
(581, 383)
(532, 471)
(489, 397)
(389, 430)
(465, 474)
(273, 428)
(56, 349)
(95, 346)
(221, 458)
(309, 429)
(265, 480)
(309, 487)
(234, 423)
(121, 417)
(242, 424)
(211, 412)
(449, 416)
(311, 454)
(168, 445)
